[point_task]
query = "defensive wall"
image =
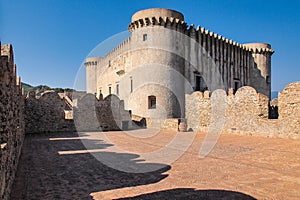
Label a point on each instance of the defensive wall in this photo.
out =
(93, 114)
(245, 112)
(67, 112)
(11, 120)
(49, 113)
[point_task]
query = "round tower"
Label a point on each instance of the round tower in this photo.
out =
(91, 74)
(158, 72)
(157, 13)
(260, 75)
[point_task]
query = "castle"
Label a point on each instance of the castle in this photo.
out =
(164, 59)
(163, 70)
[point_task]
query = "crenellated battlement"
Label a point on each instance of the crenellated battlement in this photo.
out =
(104, 61)
(230, 93)
(121, 48)
(174, 21)
(179, 25)
(168, 22)
(246, 112)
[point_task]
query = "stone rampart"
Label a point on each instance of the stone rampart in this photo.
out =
(92, 114)
(47, 113)
(58, 112)
(246, 112)
(11, 120)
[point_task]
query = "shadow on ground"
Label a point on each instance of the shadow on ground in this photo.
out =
(190, 193)
(56, 166)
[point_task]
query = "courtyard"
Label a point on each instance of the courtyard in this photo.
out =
(103, 165)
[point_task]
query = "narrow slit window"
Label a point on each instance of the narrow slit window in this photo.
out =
(197, 83)
(117, 89)
(236, 86)
(131, 84)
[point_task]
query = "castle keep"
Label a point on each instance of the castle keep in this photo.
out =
(164, 59)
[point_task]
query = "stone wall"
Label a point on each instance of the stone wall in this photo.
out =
(11, 120)
(245, 112)
(47, 113)
(92, 114)
(289, 108)
(59, 112)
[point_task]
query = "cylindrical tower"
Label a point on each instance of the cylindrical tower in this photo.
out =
(157, 13)
(158, 71)
(91, 74)
(260, 74)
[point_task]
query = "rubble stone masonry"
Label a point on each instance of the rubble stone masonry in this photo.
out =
(47, 113)
(246, 112)
(11, 120)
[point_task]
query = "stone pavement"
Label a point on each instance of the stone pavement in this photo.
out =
(58, 166)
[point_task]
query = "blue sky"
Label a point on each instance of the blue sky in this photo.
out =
(51, 38)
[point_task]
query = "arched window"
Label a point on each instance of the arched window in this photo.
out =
(151, 102)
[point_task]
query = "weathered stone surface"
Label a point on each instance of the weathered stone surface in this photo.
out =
(289, 108)
(46, 114)
(101, 115)
(171, 124)
(11, 120)
(247, 113)
(198, 111)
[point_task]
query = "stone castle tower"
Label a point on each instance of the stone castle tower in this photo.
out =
(164, 59)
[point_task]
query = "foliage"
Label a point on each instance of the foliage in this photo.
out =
(42, 88)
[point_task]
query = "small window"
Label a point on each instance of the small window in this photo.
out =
(152, 102)
(197, 83)
(109, 89)
(145, 37)
(236, 85)
(117, 89)
(109, 63)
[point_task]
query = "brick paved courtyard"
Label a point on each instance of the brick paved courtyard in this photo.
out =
(58, 166)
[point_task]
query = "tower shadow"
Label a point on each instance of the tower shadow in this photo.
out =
(58, 166)
(190, 193)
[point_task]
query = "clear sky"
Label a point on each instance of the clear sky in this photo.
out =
(51, 38)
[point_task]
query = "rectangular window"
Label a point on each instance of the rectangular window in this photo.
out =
(145, 37)
(109, 90)
(236, 85)
(151, 102)
(197, 83)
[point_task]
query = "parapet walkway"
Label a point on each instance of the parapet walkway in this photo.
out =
(58, 166)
